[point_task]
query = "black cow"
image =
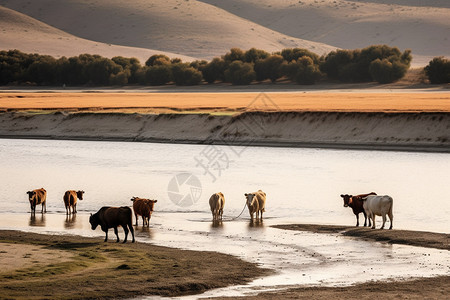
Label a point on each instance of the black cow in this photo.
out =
(112, 217)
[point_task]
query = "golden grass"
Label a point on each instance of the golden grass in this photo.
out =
(229, 102)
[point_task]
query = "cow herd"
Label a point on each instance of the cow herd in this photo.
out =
(370, 205)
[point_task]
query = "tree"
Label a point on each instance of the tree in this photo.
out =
(233, 55)
(132, 65)
(303, 71)
(384, 71)
(240, 73)
(214, 70)
(290, 54)
(269, 68)
(157, 59)
(184, 74)
(438, 70)
(158, 75)
(253, 55)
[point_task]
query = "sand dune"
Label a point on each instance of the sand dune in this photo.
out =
(422, 26)
(19, 31)
(189, 27)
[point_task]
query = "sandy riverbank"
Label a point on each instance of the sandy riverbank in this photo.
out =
(386, 121)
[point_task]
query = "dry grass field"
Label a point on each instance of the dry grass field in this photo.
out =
(230, 102)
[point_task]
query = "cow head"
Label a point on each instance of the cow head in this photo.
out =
(80, 195)
(251, 198)
(151, 204)
(94, 221)
(31, 195)
(133, 198)
(347, 199)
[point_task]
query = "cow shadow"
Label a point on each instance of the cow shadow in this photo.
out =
(70, 221)
(38, 221)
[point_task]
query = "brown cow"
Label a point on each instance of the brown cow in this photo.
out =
(112, 217)
(356, 203)
(216, 203)
(37, 197)
(144, 208)
(70, 200)
(256, 203)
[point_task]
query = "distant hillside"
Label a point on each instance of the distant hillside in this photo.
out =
(188, 27)
(18, 31)
(422, 26)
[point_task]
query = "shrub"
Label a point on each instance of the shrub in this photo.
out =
(290, 54)
(303, 71)
(438, 70)
(269, 68)
(184, 74)
(157, 59)
(214, 70)
(384, 71)
(240, 73)
(132, 65)
(158, 75)
(253, 55)
(233, 55)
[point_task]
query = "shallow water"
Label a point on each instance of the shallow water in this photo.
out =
(302, 186)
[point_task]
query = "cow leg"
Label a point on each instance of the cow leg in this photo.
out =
(391, 218)
(261, 215)
(125, 229)
(75, 209)
(365, 219)
(357, 220)
(373, 220)
(106, 235)
(117, 234)
(136, 217)
(132, 231)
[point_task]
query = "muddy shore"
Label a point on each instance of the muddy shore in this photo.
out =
(75, 267)
(104, 270)
(401, 131)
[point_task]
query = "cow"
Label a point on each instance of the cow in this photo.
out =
(256, 203)
(70, 200)
(144, 208)
(37, 197)
(378, 206)
(356, 204)
(112, 217)
(216, 203)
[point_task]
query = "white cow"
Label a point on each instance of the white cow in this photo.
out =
(378, 206)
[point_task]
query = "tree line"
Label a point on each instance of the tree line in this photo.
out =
(379, 63)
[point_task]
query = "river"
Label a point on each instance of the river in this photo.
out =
(302, 186)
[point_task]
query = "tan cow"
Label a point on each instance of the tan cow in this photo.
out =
(144, 208)
(70, 200)
(37, 197)
(216, 203)
(256, 203)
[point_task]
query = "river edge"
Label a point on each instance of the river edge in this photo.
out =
(406, 131)
(416, 288)
(93, 269)
(175, 272)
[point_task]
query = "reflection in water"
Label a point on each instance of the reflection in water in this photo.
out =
(256, 224)
(216, 223)
(37, 221)
(143, 231)
(70, 221)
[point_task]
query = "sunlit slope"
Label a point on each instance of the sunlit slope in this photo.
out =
(188, 27)
(422, 26)
(26, 34)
